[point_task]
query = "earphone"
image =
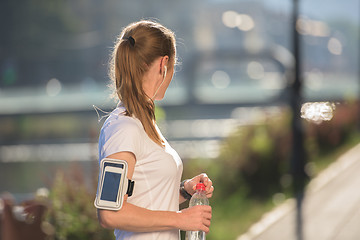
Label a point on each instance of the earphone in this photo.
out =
(165, 71)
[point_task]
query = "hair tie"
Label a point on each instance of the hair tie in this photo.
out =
(131, 40)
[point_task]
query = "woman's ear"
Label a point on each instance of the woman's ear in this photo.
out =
(163, 65)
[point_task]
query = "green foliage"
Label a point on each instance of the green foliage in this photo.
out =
(327, 135)
(251, 159)
(72, 212)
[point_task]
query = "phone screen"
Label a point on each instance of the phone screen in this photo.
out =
(110, 186)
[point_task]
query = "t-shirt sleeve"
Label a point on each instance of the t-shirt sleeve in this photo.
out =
(119, 137)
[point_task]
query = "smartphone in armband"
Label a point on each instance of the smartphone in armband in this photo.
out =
(113, 184)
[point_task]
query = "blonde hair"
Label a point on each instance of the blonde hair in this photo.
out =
(136, 48)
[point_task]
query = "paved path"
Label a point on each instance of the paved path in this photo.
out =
(330, 210)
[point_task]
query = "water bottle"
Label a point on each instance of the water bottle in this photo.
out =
(199, 198)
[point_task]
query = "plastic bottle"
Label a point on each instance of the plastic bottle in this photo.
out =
(199, 198)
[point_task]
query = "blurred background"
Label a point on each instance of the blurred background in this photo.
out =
(227, 112)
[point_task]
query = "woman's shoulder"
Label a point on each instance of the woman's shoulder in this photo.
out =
(118, 121)
(121, 133)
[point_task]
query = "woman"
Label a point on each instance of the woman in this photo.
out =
(142, 67)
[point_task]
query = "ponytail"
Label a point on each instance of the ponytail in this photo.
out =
(137, 47)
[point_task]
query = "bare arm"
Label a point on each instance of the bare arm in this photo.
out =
(137, 219)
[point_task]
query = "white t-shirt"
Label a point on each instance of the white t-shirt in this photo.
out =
(157, 172)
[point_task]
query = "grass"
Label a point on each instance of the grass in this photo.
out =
(235, 216)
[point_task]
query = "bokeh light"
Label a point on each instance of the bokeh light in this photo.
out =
(53, 87)
(243, 22)
(255, 70)
(318, 111)
(335, 46)
(220, 79)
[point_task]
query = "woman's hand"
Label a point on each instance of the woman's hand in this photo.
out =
(197, 218)
(190, 184)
